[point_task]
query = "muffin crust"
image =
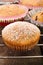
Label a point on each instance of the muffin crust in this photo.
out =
(21, 35)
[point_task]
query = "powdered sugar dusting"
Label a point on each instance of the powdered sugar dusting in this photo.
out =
(20, 31)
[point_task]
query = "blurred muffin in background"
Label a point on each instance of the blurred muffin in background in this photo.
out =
(12, 12)
(32, 3)
(36, 16)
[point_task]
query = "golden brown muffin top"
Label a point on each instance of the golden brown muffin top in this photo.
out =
(38, 16)
(32, 2)
(20, 33)
(11, 10)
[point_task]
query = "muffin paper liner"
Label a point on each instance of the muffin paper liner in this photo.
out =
(21, 48)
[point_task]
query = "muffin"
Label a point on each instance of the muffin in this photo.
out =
(32, 3)
(21, 35)
(12, 12)
(36, 15)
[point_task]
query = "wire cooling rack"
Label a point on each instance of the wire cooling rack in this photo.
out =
(33, 57)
